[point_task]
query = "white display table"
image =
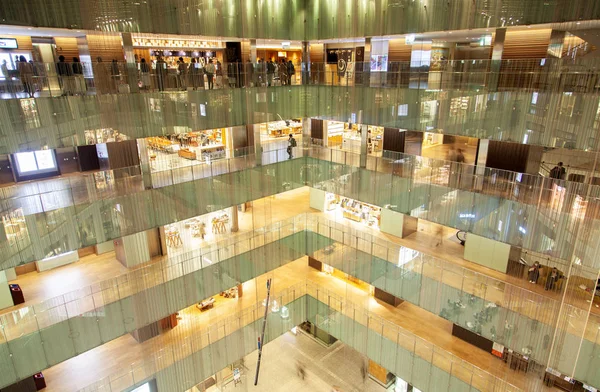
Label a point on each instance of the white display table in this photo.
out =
(56, 261)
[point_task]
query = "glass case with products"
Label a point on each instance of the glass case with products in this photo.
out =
(361, 212)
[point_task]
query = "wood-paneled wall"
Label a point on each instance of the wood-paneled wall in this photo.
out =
(398, 50)
(245, 51)
(316, 128)
(24, 43)
(507, 156)
(108, 47)
(526, 44)
(317, 52)
(393, 139)
(66, 46)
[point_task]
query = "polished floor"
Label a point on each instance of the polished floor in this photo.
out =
(125, 353)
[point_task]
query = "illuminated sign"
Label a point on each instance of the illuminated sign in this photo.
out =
(8, 43)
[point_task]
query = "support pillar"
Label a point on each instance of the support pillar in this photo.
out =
(306, 128)
(131, 65)
(380, 374)
(305, 62)
(145, 163)
(84, 56)
(6, 300)
(366, 65)
(496, 62)
(364, 129)
(235, 226)
(253, 53)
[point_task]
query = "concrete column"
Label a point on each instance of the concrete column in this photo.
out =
(366, 75)
(132, 71)
(305, 62)
(480, 161)
(145, 164)
(253, 52)
(235, 226)
(497, 51)
(364, 129)
(306, 126)
(257, 144)
(555, 47)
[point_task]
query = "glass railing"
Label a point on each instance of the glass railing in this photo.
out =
(418, 361)
(536, 101)
(502, 312)
(500, 205)
(553, 118)
(36, 337)
(33, 79)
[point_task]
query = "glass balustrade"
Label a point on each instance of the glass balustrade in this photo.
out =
(552, 103)
(502, 312)
(504, 206)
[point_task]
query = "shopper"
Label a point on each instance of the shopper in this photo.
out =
(161, 73)
(182, 73)
(78, 78)
(26, 74)
(65, 76)
(558, 172)
(145, 74)
(210, 73)
(534, 273)
(552, 279)
(291, 71)
(115, 75)
(101, 77)
(195, 74)
(300, 371)
(248, 74)
(291, 144)
(460, 158)
(282, 69)
(6, 74)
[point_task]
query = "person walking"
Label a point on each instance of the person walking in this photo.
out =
(291, 144)
(210, 73)
(300, 371)
(6, 75)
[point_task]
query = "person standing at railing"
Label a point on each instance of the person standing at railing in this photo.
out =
(182, 70)
(291, 71)
(6, 75)
(196, 75)
(558, 172)
(210, 73)
(145, 74)
(101, 77)
(115, 75)
(282, 69)
(80, 87)
(26, 75)
(65, 76)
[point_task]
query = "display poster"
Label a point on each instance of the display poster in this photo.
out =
(439, 56)
(26, 162)
(379, 63)
(45, 160)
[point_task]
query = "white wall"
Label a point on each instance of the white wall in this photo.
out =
(486, 252)
(317, 199)
(5, 297)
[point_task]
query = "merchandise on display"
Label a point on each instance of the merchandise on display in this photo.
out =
(348, 137)
(278, 129)
(353, 210)
(103, 135)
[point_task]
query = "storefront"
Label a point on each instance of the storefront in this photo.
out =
(150, 47)
(188, 148)
(103, 135)
(356, 211)
(194, 233)
(347, 137)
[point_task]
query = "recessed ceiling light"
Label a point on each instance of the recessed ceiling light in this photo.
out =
(578, 22)
(29, 28)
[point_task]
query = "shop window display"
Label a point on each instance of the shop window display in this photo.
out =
(348, 137)
(192, 233)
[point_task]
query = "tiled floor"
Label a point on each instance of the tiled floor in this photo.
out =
(325, 367)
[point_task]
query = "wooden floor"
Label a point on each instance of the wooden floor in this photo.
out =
(123, 357)
(91, 270)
